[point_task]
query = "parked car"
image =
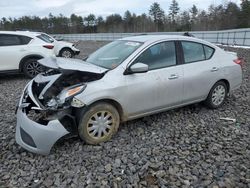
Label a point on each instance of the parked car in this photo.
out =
(62, 48)
(19, 52)
(126, 79)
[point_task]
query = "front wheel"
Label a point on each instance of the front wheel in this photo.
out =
(217, 95)
(99, 123)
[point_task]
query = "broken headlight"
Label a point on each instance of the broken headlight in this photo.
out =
(71, 91)
(67, 95)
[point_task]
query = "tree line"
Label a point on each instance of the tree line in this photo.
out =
(223, 16)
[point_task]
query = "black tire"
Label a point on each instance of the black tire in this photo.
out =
(90, 126)
(31, 68)
(66, 53)
(211, 101)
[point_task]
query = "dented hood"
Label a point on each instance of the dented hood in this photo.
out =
(70, 64)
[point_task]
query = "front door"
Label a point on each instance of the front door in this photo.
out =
(162, 85)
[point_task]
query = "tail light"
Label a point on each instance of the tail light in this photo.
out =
(48, 46)
(239, 61)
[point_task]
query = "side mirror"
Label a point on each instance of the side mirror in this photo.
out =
(137, 68)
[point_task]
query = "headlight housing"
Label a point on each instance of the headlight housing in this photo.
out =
(70, 92)
(66, 97)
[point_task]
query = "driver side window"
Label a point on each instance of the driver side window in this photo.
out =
(159, 55)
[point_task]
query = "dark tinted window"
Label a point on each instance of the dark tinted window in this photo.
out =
(193, 52)
(159, 56)
(25, 40)
(208, 51)
(9, 40)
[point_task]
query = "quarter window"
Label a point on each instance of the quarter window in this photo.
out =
(208, 51)
(193, 52)
(159, 56)
(25, 40)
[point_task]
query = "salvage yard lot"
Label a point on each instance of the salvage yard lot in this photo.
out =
(185, 147)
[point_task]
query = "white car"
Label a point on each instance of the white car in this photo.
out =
(62, 48)
(19, 52)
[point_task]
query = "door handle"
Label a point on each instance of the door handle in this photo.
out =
(173, 76)
(214, 69)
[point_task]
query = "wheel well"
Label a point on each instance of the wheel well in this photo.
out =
(116, 105)
(64, 49)
(227, 84)
(27, 58)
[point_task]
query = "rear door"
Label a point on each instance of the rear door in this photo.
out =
(12, 49)
(200, 70)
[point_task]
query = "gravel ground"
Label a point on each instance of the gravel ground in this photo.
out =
(186, 147)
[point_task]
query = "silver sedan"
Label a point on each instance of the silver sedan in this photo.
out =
(126, 79)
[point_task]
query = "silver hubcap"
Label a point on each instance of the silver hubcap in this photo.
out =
(100, 124)
(33, 68)
(218, 95)
(66, 54)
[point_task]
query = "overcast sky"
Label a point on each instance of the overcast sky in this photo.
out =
(18, 8)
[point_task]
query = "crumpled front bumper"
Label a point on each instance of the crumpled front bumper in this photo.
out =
(35, 137)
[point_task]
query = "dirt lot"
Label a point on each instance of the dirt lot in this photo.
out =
(186, 147)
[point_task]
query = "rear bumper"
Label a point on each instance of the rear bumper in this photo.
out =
(35, 137)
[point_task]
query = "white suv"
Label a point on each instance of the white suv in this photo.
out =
(19, 52)
(62, 48)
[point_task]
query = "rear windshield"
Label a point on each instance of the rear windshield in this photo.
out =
(45, 38)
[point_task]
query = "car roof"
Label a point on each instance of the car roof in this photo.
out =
(24, 33)
(155, 38)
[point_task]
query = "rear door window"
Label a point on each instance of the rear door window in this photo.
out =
(193, 52)
(9, 40)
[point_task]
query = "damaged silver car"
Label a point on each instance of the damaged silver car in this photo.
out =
(124, 80)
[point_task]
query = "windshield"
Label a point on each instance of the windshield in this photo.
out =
(113, 54)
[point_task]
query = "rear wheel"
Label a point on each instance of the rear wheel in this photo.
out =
(217, 95)
(99, 123)
(31, 68)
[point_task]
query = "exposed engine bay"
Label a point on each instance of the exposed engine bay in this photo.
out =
(52, 97)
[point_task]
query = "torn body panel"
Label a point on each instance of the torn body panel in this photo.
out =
(46, 111)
